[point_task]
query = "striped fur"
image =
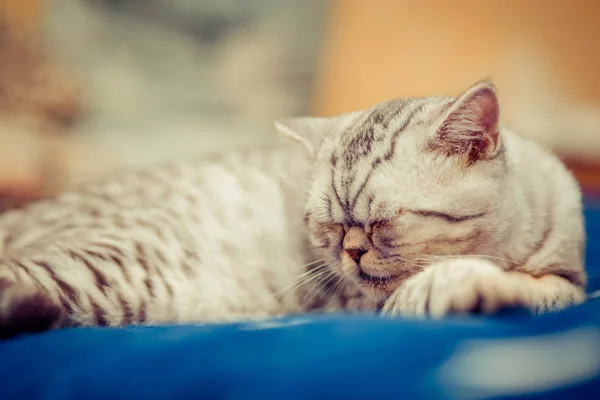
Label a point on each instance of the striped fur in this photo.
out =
(432, 189)
(390, 197)
(198, 241)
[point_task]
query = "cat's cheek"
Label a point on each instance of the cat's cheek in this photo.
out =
(327, 237)
(321, 243)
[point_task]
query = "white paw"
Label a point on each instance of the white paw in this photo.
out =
(458, 286)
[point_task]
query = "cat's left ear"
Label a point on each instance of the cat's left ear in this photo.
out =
(470, 126)
(309, 131)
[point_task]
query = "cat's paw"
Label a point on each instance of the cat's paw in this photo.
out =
(458, 286)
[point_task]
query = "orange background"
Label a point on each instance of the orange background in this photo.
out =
(380, 49)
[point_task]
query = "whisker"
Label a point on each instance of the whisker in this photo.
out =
(338, 286)
(294, 185)
(320, 287)
(322, 195)
(305, 277)
(316, 284)
(309, 271)
(314, 262)
(295, 285)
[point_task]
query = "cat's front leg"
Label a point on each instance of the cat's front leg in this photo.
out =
(461, 285)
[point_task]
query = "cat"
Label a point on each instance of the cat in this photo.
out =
(414, 207)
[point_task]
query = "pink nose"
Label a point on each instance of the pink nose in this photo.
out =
(355, 254)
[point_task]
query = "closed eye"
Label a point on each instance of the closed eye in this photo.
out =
(444, 216)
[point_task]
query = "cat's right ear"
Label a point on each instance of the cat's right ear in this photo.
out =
(309, 131)
(470, 126)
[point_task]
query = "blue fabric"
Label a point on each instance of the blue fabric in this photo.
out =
(513, 355)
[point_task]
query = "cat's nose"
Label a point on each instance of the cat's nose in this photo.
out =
(355, 254)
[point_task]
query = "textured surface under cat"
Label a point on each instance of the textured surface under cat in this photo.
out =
(202, 241)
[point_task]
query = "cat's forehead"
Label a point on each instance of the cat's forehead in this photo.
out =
(385, 120)
(377, 131)
(375, 149)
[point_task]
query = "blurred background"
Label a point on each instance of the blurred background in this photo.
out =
(87, 86)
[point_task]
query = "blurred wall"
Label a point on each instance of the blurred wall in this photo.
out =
(38, 106)
(166, 79)
(22, 16)
(542, 54)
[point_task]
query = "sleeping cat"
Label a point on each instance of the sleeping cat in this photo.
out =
(414, 207)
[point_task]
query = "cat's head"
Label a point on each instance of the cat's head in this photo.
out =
(403, 182)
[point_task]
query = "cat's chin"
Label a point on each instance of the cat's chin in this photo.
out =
(379, 287)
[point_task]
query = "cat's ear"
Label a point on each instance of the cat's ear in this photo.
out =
(312, 131)
(469, 128)
(309, 131)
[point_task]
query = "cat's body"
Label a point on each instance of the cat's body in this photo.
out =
(418, 206)
(141, 248)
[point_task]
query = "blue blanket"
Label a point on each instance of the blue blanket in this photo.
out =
(511, 355)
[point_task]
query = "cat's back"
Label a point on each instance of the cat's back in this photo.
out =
(549, 200)
(540, 170)
(194, 240)
(205, 195)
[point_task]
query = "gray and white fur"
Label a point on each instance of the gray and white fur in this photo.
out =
(413, 207)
